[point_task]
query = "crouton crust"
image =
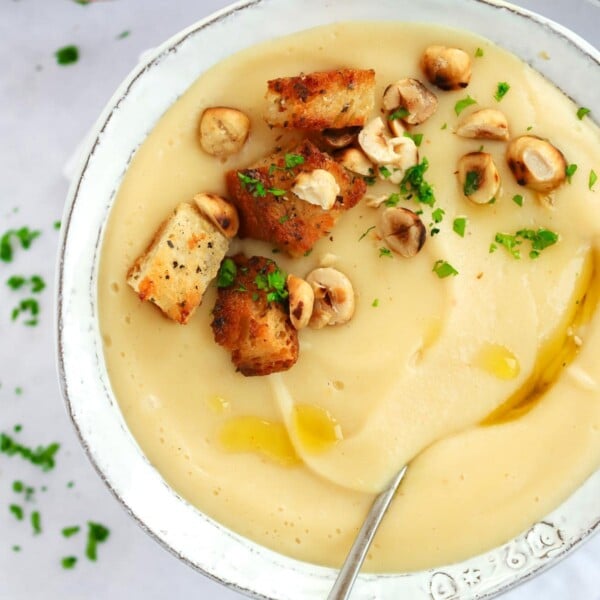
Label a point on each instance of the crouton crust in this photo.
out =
(179, 263)
(285, 220)
(258, 334)
(321, 100)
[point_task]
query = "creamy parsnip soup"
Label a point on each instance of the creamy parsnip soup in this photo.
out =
(475, 361)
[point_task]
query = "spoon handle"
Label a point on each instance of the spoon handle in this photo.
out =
(345, 580)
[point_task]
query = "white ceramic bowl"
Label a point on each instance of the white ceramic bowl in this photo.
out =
(129, 116)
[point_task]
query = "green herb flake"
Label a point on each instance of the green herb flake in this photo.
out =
(56, 225)
(17, 511)
(583, 112)
(17, 428)
(472, 182)
(570, 171)
(36, 522)
(252, 184)
(37, 284)
(518, 199)
(375, 303)
(385, 252)
(277, 192)
(16, 548)
(392, 200)
(510, 242)
(444, 269)
(124, 34)
(364, 235)
(479, 53)
(67, 55)
(18, 486)
(444, 126)
(16, 282)
(42, 456)
(462, 104)
(459, 225)
(399, 113)
(227, 273)
(370, 179)
(383, 170)
(70, 531)
(97, 534)
(438, 215)
(493, 248)
(593, 178)
(417, 138)
(293, 160)
(414, 182)
(540, 239)
(28, 305)
(71, 484)
(68, 562)
(501, 90)
(18, 391)
(24, 235)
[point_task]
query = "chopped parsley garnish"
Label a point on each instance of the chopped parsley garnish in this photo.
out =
(16, 548)
(18, 486)
(70, 531)
(227, 273)
(68, 562)
(364, 235)
(369, 179)
(283, 219)
(444, 126)
(24, 235)
(124, 34)
(414, 182)
(97, 534)
(417, 138)
(42, 456)
(253, 185)
(385, 252)
(385, 171)
(293, 160)
(459, 225)
(472, 182)
(493, 248)
(501, 90)
(592, 179)
(67, 55)
(570, 171)
(479, 53)
(438, 215)
(392, 200)
(399, 113)
(582, 112)
(274, 284)
(540, 240)
(36, 522)
(28, 305)
(16, 282)
(444, 269)
(276, 192)
(56, 225)
(518, 199)
(462, 104)
(17, 511)
(375, 303)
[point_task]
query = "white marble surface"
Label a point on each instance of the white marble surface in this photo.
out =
(45, 110)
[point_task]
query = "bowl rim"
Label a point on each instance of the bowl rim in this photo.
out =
(62, 343)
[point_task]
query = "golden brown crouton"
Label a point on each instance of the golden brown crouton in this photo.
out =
(257, 332)
(330, 99)
(180, 262)
(270, 211)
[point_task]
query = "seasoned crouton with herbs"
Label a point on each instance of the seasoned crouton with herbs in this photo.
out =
(286, 199)
(180, 262)
(323, 100)
(250, 317)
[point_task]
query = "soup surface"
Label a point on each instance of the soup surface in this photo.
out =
(485, 382)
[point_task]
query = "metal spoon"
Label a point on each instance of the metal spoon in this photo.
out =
(347, 575)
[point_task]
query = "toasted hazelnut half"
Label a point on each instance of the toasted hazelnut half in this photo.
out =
(536, 163)
(334, 297)
(318, 187)
(339, 138)
(395, 154)
(447, 68)
(301, 301)
(478, 176)
(485, 124)
(402, 230)
(412, 95)
(223, 131)
(355, 160)
(219, 212)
